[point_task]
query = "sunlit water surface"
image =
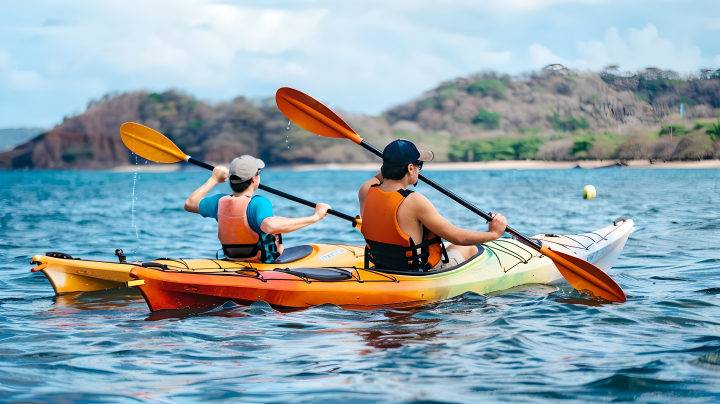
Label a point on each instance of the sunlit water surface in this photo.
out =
(535, 343)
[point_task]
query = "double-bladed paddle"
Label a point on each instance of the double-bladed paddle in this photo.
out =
(312, 115)
(154, 146)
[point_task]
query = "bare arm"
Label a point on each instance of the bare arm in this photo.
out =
(422, 208)
(362, 194)
(282, 225)
(192, 204)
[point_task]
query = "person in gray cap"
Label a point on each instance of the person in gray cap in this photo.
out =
(247, 229)
(403, 231)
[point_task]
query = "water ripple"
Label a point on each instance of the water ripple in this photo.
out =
(533, 343)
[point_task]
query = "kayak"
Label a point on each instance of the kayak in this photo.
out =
(498, 265)
(70, 275)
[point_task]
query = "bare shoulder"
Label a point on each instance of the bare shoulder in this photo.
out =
(419, 201)
(372, 181)
(416, 197)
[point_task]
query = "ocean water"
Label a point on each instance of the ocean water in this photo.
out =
(535, 343)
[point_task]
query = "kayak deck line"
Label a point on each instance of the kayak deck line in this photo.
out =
(582, 246)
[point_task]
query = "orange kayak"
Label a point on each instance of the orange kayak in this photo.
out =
(499, 265)
(70, 275)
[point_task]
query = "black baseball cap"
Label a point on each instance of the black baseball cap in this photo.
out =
(402, 152)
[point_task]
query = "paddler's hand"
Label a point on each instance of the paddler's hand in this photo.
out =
(220, 174)
(321, 210)
(497, 225)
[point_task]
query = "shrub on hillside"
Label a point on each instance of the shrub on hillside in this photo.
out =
(714, 130)
(567, 123)
(580, 148)
(694, 147)
(501, 148)
(676, 130)
(488, 120)
(448, 92)
(661, 149)
(603, 150)
(641, 97)
(689, 102)
(489, 88)
(634, 148)
(596, 146)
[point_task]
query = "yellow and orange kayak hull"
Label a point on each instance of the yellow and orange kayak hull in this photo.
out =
(501, 265)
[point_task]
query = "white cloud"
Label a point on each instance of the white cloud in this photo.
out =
(192, 42)
(222, 50)
(363, 57)
(541, 56)
(522, 6)
(527, 6)
(13, 78)
(642, 48)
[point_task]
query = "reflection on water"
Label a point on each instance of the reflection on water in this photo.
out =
(533, 343)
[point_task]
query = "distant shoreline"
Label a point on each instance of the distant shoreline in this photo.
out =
(462, 166)
(516, 165)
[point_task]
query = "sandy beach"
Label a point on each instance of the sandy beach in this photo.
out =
(460, 166)
(150, 167)
(518, 165)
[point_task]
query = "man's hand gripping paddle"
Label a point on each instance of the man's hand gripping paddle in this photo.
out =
(154, 146)
(312, 115)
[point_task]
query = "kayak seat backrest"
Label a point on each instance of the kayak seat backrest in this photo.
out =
(319, 274)
(480, 252)
(294, 253)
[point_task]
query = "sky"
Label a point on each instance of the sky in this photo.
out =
(359, 56)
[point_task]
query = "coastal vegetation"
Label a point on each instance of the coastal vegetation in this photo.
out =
(553, 114)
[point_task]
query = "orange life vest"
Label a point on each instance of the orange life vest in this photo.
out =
(238, 239)
(388, 247)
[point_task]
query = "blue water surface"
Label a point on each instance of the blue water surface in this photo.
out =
(534, 343)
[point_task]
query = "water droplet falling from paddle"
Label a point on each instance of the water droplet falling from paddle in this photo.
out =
(132, 206)
(288, 135)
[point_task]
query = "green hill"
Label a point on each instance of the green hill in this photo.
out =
(554, 114)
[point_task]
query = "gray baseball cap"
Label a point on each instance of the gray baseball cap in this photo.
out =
(245, 167)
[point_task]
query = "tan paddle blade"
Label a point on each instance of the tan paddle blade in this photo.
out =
(312, 115)
(585, 277)
(150, 144)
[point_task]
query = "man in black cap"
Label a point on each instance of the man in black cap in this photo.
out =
(247, 229)
(402, 229)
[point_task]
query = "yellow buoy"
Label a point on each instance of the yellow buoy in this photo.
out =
(589, 192)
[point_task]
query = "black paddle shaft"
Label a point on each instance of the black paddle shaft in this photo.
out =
(461, 201)
(280, 193)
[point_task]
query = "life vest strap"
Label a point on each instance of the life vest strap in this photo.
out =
(435, 240)
(393, 256)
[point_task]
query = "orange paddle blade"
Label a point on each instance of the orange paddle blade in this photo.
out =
(585, 277)
(150, 144)
(312, 115)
